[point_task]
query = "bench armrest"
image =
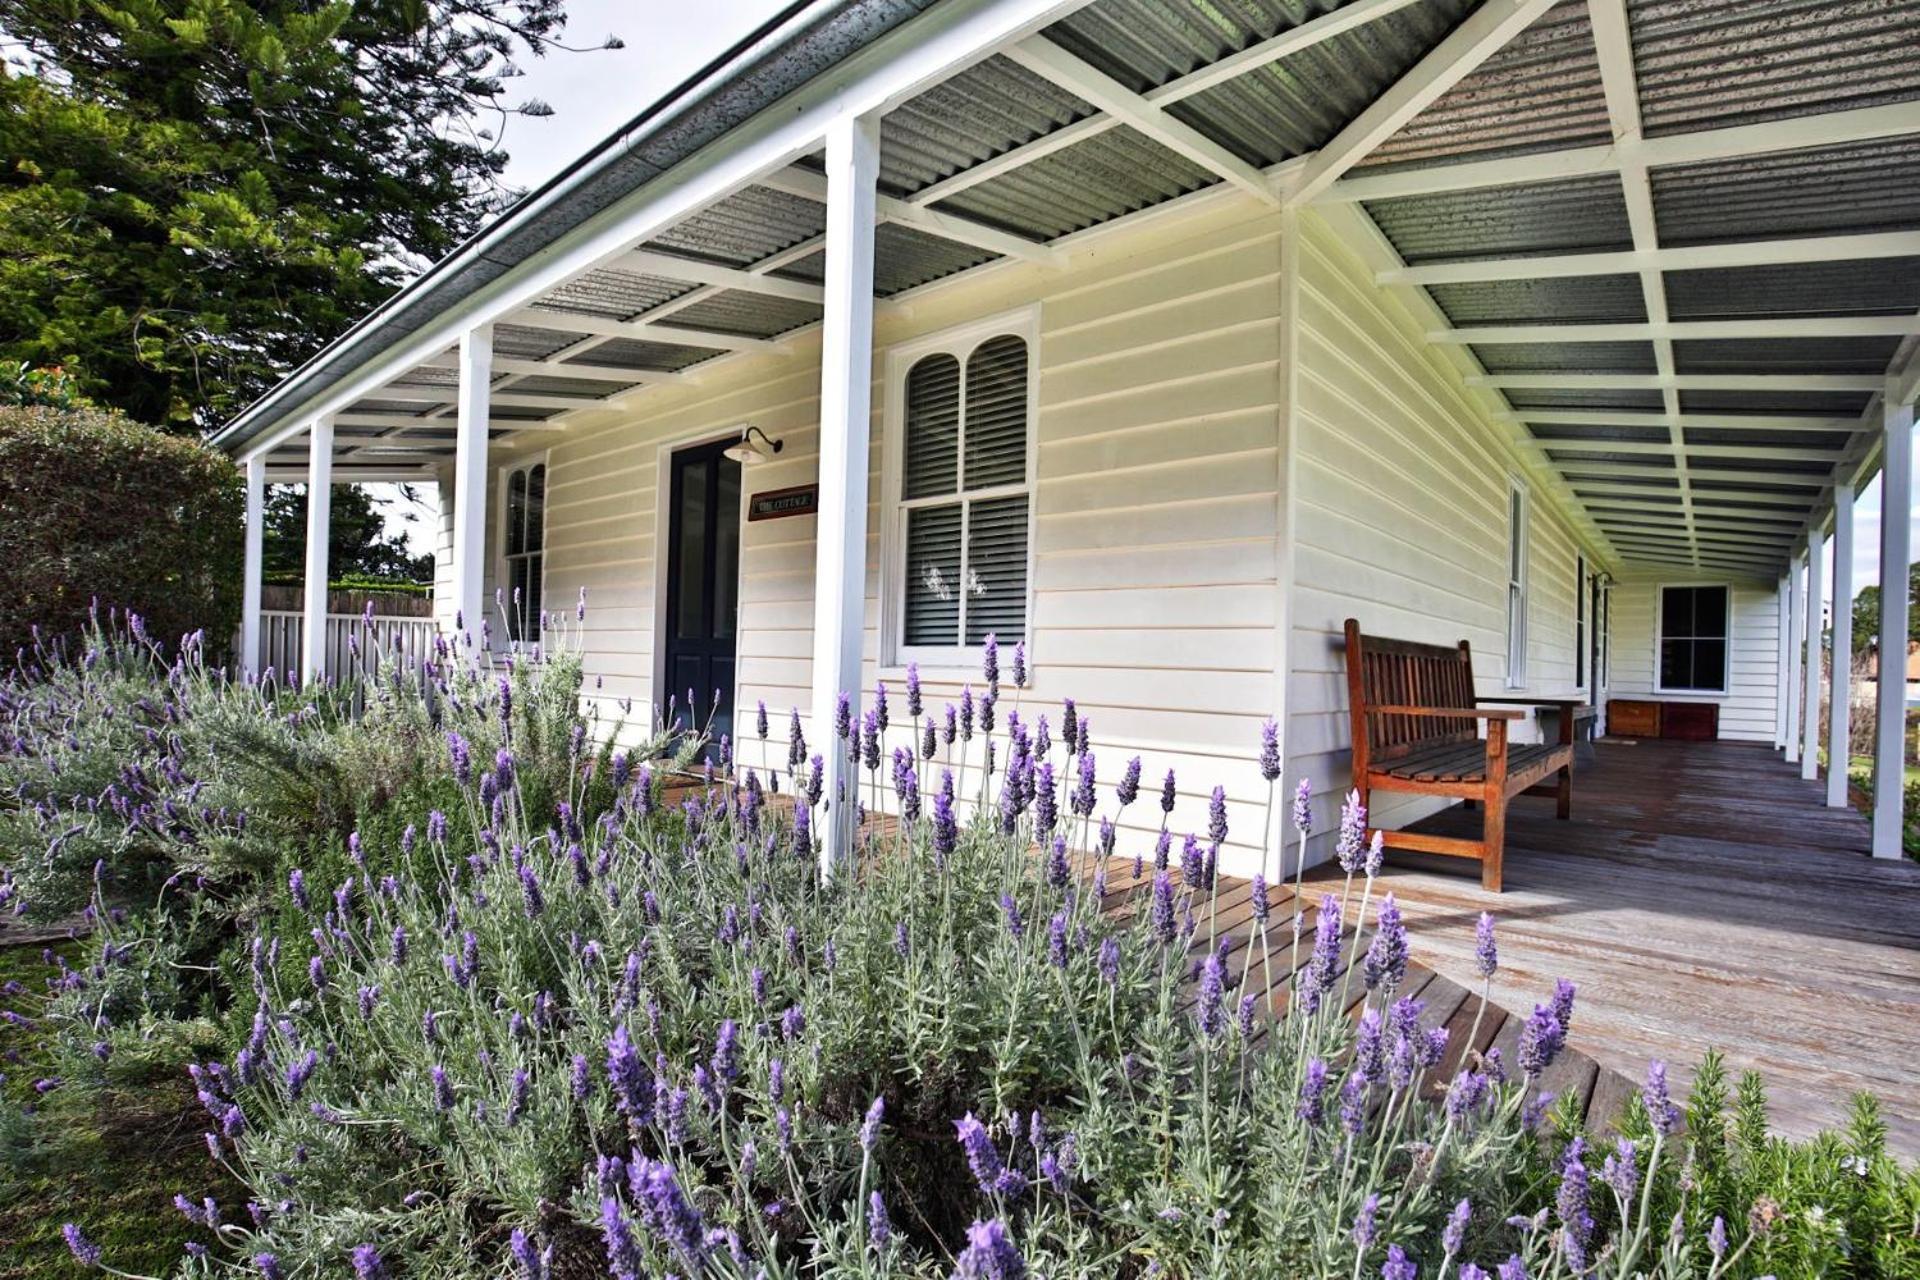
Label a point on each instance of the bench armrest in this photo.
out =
(1448, 713)
(1522, 700)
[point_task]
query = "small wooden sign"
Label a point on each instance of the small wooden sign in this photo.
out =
(778, 504)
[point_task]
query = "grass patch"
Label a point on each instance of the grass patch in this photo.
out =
(114, 1157)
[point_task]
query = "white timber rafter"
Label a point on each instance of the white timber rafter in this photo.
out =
(1653, 258)
(1077, 76)
(795, 180)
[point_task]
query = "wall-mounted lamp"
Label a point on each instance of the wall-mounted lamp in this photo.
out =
(747, 452)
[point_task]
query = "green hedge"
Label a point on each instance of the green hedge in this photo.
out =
(94, 506)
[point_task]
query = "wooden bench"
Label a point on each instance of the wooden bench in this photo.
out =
(1416, 729)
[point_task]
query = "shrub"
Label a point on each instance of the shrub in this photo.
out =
(95, 506)
(513, 1014)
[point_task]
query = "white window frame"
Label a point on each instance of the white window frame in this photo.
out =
(502, 562)
(959, 342)
(1659, 627)
(1517, 604)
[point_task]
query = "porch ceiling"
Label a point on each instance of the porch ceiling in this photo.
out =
(1676, 243)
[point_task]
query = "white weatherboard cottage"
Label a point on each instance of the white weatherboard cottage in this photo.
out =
(1166, 337)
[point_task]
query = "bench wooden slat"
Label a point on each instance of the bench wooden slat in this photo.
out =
(1416, 723)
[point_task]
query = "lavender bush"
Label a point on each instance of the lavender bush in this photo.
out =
(551, 1026)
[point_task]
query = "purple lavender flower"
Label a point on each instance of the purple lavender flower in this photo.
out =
(870, 1127)
(442, 1088)
(1365, 1223)
(1540, 1041)
(1217, 816)
(902, 943)
(623, 1251)
(1570, 1205)
(665, 1209)
(297, 885)
(85, 1252)
(797, 740)
(1020, 664)
(1563, 993)
(1385, 964)
(631, 1081)
(300, 1071)
(1193, 864)
(459, 757)
(1621, 1170)
(880, 720)
(521, 1245)
(966, 713)
(1717, 1237)
(367, 1263)
(1325, 958)
(1512, 1269)
(990, 1254)
(1313, 1093)
(1169, 792)
(1108, 962)
(983, 1159)
(1161, 914)
(1486, 952)
(1057, 949)
(1303, 807)
(1212, 989)
(1398, 1266)
(879, 1226)
(1262, 907)
(946, 828)
(1270, 749)
(1454, 1234)
(1129, 789)
(990, 664)
(1353, 833)
(269, 1265)
(726, 1052)
(1659, 1103)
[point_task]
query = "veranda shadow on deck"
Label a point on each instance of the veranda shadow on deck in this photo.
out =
(1702, 896)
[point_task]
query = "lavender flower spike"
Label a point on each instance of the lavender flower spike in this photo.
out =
(1659, 1103)
(1303, 806)
(1486, 953)
(870, 1127)
(990, 1254)
(85, 1252)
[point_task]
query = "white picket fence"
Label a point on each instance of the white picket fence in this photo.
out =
(352, 642)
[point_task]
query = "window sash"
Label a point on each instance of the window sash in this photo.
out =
(523, 550)
(1699, 654)
(951, 455)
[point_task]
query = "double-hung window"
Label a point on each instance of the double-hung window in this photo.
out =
(523, 547)
(1516, 586)
(1693, 639)
(960, 554)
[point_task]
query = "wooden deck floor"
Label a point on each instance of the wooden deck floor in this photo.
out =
(1701, 896)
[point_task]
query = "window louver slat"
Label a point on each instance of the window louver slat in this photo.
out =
(933, 576)
(996, 439)
(933, 428)
(997, 570)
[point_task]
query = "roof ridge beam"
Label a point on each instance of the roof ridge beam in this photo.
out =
(1051, 62)
(1482, 34)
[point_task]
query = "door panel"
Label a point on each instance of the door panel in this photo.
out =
(703, 575)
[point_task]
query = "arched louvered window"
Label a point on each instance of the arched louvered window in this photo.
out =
(961, 557)
(523, 544)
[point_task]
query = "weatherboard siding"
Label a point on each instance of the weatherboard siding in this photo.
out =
(1156, 511)
(1401, 522)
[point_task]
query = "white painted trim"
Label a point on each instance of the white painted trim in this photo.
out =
(1680, 381)
(1781, 327)
(1840, 666)
(1626, 418)
(604, 327)
(846, 427)
(1659, 629)
(313, 653)
(960, 341)
(470, 479)
(1519, 553)
(1827, 128)
(1749, 253)
(1796, 625)
(809, 185)
(1896, 539)
(252, 563)
(1810, 669)
(673, 267)
(1783, 658)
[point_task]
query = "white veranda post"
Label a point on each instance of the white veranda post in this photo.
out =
(1840, 663)
(1783, 660)
(1890, 733)
(1810, 633)
(470, 477)
(846, 378)
(1796, 619)
(252, 564)
(313, 635)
